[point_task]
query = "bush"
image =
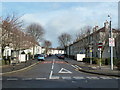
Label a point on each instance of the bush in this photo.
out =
(107, 61)
(104, 61)
(72, 56)
(94, 60)
(118, 65)
(116, 61)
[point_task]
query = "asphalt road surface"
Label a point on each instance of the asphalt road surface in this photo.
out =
(56, 73)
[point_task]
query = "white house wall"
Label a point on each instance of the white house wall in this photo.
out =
(7, 51)
(52, 51)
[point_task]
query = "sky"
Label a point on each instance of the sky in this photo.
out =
(60, 17)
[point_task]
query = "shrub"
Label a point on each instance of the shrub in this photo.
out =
(118, 65)
(94, 60)
(107, 61)
(104, 61)
(116, 61)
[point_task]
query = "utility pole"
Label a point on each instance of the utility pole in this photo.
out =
(111, 46)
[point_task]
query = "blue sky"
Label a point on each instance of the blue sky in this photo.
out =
(59, 17)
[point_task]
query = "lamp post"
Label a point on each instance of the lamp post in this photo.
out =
(111, 46)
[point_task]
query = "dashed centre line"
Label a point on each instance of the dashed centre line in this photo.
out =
(11, 79)
(66, 78)
(55, 77)
(92, 77)
(40, 78)
(78, 77)
(27, 78)
(50, 77)
(105, 77)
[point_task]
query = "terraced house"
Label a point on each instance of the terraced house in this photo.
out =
(90, 43)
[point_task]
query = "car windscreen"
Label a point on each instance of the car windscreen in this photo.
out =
(41, 55)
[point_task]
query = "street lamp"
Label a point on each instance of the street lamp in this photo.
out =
(111, 47)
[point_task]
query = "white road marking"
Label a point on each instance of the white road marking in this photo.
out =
(116, 78)
(78, 77)
(94, 67)
(78, 66)
(52, 65)
(40, 78)
(74, 82)
(50, 74)
(105, 78)
(11, 79)
(92, 77)
(27, 79)
(73, 66)
(66, 78)
(55, 77)
(63, 70)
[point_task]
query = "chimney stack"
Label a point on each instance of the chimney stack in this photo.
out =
(106, 24)
(95, 28)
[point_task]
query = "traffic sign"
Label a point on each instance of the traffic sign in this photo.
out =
(90, 50)
(111, 42)
(100, 45)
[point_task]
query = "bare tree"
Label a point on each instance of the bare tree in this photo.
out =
(84, 32)
(47, 44)
(64, 39)
(36, 31)
(8, 25)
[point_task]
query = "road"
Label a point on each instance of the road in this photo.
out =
(56, 73)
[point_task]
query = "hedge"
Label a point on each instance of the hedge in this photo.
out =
(94, 60)
(104, 61)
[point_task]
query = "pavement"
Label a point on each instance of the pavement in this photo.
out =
(94, 69)
(17, 67)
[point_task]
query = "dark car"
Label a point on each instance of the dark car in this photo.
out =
(36, 56)
(61, 56)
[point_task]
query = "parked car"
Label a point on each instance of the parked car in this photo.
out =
(45, 55)
(36, 56)
(61, 56)
(41, 57)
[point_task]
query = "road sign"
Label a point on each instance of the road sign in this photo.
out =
(111, 42)
(100, 45)
(90, 50)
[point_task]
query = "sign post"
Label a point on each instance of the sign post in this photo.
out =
(90, 50)
(100, 48)
(100, 59)
(90, 56)
(111, 44)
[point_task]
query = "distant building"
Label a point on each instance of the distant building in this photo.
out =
(53, 51)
